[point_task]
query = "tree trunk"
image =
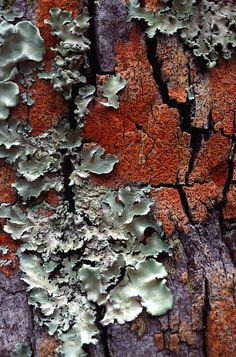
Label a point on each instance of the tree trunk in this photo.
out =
(184, 148)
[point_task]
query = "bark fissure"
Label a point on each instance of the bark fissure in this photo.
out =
(103, 336)
(200, 275)
(94, 67)
(151, 44)
(223, 202)
(195, 147)
(68, 192)
(67, 166)
(185, 204)
(206, 310)
(230, 172)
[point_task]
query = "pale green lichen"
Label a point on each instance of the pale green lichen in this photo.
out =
(78, 266)
(93, 160)
(34, 157)
(82, 100)
(11, 14)
(30, 47)
(5, 262)
(71, 50)
(8, 98)
(21, 350)
(4, 249)
(104, 254)
(110, 88)
(206, 26)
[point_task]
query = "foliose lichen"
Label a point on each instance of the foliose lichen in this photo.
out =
(71, 267)
(71, 50)
(110, 88)
(103, 254)
(21, 350)
(206, 26)
(30, 47)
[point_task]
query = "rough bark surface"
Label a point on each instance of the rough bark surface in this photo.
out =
(184, 148)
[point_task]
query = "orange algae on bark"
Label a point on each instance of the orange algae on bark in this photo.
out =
(49, 105)
(7, 178)
(168, 209)
(202, 198)
(173, 60)
(144, 133)
(230, 206)
(151, 5)
(47, 346)
(223, 89)
(221, 329)
(48, 108)
(12, 246)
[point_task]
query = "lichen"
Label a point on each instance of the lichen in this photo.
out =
(3, 249)
(71, 267)
(21, 350)
(11, 14)
(110, 88)
(71, 50)
(30, 46)
(8, 98)
(208, 27)
(5, 262)
(15, 59)
(103, 255)
(82, 100)
(93, 160)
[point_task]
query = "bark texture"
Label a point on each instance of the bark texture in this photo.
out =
(184, 148)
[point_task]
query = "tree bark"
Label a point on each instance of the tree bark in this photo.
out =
(185, 149)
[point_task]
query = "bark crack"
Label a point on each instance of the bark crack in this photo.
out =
(185, 205)
(154, 61)
(206, 310)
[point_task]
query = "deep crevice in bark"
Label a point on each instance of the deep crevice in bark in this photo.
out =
(94, 67)
(71, 118)
(103, 336)
(185, 205)
(67, 166)
(67, 169)
(224, 201)
(104, 341)
(155, 63)
(230, 173)
(195, 146)
(184, 109)
(205, 315)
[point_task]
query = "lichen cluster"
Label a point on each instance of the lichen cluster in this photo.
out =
(206, 26)
(21, 350)
(100, 257)
(30, 48)
(71, 50)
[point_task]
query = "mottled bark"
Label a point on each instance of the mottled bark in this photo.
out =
(184, 148)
